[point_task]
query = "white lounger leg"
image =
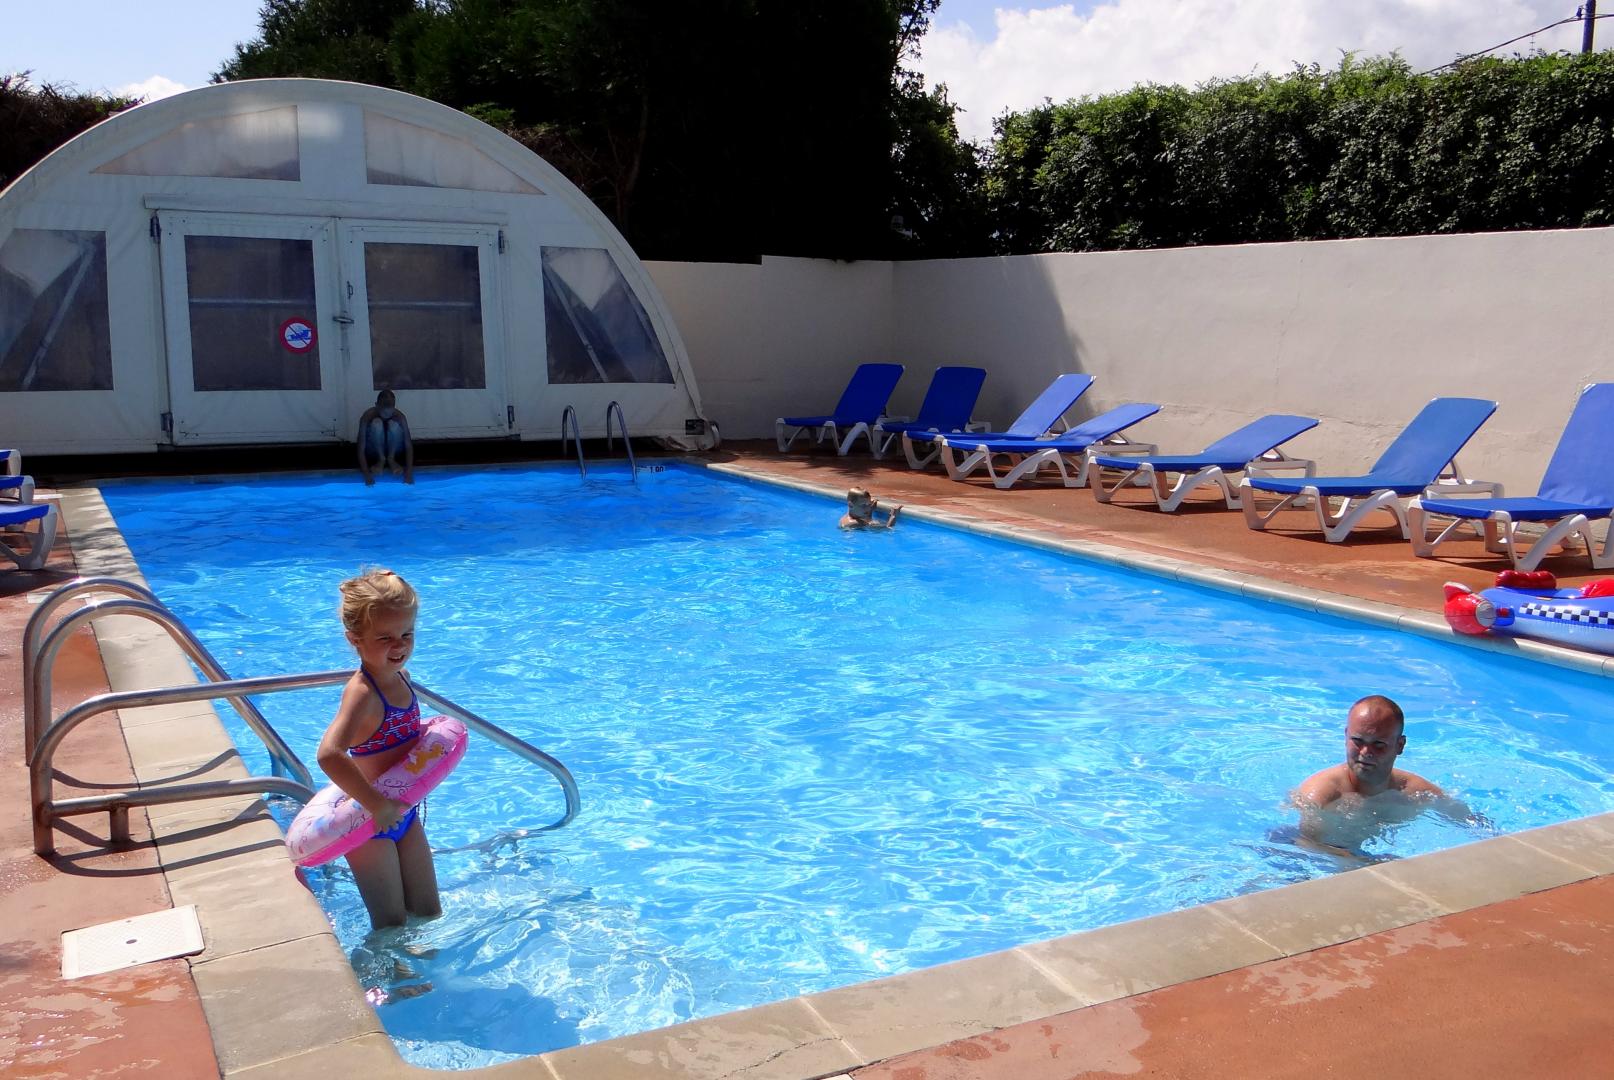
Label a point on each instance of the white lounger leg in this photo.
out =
(859, 428)
(1028, 465)
(910, 449)
(1498, 530)
(959, 468)
(1575, 525)
(22, 493)
(779, 427)
(36, 542)
(1337, 526)
(1258, 519)
(1188, 482)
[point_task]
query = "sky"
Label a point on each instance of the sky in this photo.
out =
(992, 56)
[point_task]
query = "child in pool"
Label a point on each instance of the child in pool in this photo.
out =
(861, 508)
(385, 444)
(376, 724)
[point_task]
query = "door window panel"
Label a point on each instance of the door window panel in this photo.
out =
(54, 332)
(596, 328)
(250, 300)
(425, 303)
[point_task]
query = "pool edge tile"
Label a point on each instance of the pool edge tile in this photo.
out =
(1326, 911)
(371, 1056)
(281, 1000)
(1129, 958)
(784, 1040)
(886, 1017)
(1586, 842)
(1480, 873)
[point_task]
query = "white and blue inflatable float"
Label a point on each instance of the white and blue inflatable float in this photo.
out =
(1529, 604)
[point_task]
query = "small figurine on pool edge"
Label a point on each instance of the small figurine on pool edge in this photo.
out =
(861, 508)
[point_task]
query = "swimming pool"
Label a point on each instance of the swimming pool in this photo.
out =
(808, 757)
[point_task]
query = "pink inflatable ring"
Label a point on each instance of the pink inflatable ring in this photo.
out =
(333, 824)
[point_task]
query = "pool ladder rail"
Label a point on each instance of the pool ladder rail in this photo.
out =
(569, 428)
(42, 734)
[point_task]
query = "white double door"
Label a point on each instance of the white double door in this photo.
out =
(283, 329)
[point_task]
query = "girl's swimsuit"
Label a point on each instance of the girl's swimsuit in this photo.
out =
(399, 726)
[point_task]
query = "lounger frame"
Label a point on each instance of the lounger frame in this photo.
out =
(1504, 536)
(1169, 499)
(1338, 521)
(962, 462)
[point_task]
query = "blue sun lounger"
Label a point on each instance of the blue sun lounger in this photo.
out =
(1252, 447)
(1577, 489)
(1027, 457)
(862, 404)
(35, 543)
(1417, 460)
(947, 407)
(1036, 422)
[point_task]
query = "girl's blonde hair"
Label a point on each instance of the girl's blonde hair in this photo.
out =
(374, 590)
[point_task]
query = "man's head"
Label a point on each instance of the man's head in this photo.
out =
(386, 402)
(1373, 740)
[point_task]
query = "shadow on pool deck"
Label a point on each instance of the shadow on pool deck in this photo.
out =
(1514, 987)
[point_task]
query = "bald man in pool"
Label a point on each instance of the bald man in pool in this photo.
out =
(1344, 805)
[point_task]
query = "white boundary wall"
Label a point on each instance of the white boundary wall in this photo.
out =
(1359, 333)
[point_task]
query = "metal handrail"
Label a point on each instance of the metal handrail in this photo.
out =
(515, 745)
(570, 412)
(616, 407)
(39, 657)
(283, 761)
(36, 621)
(39, 762)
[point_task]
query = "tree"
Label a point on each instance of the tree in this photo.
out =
(717, 129)
(321, 39)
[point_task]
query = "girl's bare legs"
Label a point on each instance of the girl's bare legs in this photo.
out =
(375, 865)
(417, 873)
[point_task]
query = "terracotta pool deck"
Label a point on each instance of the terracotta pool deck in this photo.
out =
(1495, 958)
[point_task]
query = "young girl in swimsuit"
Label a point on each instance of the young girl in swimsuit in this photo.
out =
(376, 724)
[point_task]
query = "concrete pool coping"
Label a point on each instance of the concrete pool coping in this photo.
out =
(270, 952)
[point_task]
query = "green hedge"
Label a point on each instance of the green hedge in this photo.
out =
(34, 120)
(1369, 149)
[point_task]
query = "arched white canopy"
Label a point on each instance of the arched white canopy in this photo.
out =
(251, 262)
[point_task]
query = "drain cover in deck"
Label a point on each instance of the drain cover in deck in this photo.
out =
(127, 942)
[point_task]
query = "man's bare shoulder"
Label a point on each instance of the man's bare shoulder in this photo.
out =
(1413, 784)
(1323, 787)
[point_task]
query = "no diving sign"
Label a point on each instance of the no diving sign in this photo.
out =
(297, 335)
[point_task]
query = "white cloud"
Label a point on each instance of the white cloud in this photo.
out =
(158, 86)
(1056, 53)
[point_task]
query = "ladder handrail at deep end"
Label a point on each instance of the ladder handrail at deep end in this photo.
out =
(627, 441)
(570, 413)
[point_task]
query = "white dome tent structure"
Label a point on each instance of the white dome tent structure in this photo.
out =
(251, 262)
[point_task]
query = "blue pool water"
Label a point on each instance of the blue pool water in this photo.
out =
(809, 757)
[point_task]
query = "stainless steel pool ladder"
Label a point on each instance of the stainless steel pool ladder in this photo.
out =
(291, 778)
(616, 407)
(568, 422)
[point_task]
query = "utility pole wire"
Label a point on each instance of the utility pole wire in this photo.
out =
(1577, 17)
